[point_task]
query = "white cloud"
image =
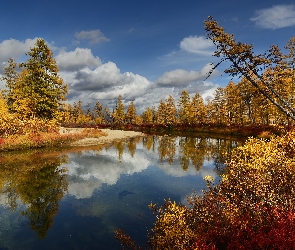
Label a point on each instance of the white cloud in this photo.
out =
(93, 36)
(91, 169)
(105, 82)
(77, 59)
(276, 17)
(86, 173)
(90, 80)
(197, 44)
(181, 78)
(192, 50)
(14, 49)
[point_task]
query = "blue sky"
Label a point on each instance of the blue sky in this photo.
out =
(143, 50)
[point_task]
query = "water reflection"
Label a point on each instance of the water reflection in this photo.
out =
(176, 156)
(38, 182)
(111, 183)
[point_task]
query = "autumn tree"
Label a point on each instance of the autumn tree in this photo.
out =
(78, 112)
(171, 111)
(184, 107)
(234, 104)
(166, 114)
(198, 110)
(161, 113)
(107, 115)
(8, 122)
(130, 116)
(119, 112)
(10, 77)
(147, 116)
(218, 107)
(39, 86)
(251, 66)
(98, 111)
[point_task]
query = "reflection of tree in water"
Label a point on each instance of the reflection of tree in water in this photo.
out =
(131, 145)
(167, 148)
(119, 146)
(192, 150)
(39, 183)
(149, 142)
(222, 148)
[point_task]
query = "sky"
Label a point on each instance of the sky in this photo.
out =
(142, 50)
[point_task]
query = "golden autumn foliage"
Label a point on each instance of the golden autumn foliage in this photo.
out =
(252, 207)
(254, 67)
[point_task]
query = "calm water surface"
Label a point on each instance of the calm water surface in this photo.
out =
(74, 199)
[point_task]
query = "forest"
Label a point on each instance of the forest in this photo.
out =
(35, 95)
(253, 206)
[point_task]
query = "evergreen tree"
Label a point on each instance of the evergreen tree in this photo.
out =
(39, 87)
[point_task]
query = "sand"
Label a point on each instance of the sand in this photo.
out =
(111, 135)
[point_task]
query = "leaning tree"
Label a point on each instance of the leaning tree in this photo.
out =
(268, 72)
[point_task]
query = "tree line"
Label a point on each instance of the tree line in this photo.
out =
(35, 94)
(236, 104)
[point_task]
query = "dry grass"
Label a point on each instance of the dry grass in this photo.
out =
(47, 139)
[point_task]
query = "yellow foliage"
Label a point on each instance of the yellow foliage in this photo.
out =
(172, 229)
(259, 179)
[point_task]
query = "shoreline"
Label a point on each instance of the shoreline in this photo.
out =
(108, 136)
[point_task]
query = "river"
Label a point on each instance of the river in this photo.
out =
(75, 198)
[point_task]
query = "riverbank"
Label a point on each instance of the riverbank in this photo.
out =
(65, 137)
(259, 131)
(106, 136)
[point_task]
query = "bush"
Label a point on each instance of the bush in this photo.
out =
(253, 206)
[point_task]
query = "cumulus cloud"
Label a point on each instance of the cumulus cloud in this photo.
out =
(104, 76)
(15, 49)
(181, 78)
(90, 80)
(106, 82)
(276, 17)
(92, 36)
(76, 60)
(197, 44)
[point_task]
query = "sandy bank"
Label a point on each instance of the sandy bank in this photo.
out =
(111, 135)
